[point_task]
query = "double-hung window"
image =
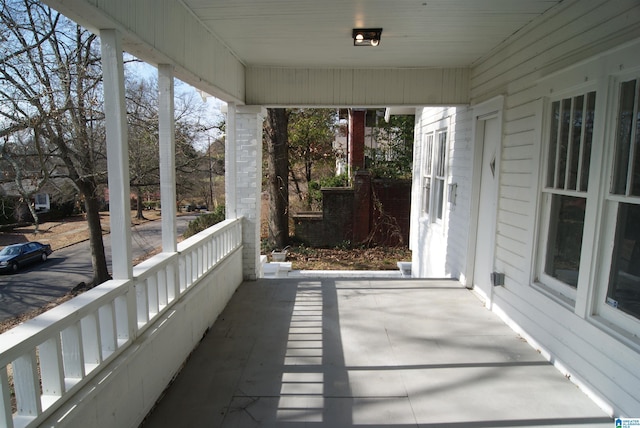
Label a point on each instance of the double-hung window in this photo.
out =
(434, 178)
(565, 191)
(588, 243)
(622, 210)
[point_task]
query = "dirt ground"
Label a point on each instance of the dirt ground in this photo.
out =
(375, 258)
(60, 234)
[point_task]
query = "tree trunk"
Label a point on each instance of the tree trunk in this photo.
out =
(34, 214)
(307, 175)
(278, 173)
(98, 258)
(139, 212)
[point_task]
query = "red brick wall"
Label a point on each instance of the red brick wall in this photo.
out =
(373, 212)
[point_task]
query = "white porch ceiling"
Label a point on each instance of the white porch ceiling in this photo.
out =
(317, 33)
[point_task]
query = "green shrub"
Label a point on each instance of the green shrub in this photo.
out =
(315, 186)
(204, 221)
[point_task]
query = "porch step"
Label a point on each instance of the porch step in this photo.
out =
(405, 269)
(276, 269)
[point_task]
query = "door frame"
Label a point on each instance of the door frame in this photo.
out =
(491, 109)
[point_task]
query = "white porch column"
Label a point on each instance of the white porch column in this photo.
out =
(117, 154)
(166, 134)
(230, 164)
(248, 181)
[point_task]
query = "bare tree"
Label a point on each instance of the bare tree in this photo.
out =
(29, 166)
(192, 127)
(142, 115)
(51, 81)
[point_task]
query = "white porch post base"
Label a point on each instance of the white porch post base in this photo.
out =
(248, 182)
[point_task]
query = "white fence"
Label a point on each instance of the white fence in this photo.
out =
(48, 359)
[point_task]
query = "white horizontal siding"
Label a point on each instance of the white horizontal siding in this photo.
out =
(573, 31)
(447, 242)
(278, 86)
(460, 158)
(567, 34)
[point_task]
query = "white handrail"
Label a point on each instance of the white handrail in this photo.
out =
(44, 361)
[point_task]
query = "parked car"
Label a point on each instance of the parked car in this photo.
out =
(15, 256)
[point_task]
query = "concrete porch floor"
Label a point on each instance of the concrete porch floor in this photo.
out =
(333, 352)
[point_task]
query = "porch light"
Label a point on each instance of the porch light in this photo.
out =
(366, 36)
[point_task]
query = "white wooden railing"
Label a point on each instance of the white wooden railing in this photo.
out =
(44, 361)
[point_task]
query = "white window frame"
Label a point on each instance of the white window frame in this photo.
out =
(433, 208)
(602, 73)
(620, 321)
(566, 293)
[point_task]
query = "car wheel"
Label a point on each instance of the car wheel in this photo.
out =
(44, 257)
(14, 267)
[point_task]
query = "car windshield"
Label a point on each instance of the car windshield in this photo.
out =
(10, 251)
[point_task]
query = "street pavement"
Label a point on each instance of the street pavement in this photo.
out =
(36, 285)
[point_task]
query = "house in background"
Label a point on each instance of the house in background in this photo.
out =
(525, 182)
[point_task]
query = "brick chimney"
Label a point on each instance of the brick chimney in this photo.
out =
(356, 140)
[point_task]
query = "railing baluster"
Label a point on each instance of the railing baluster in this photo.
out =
(107, 327)
(142, 303)
(162, 289)
(6, 418)
(72, 356)
(182, 273)
(194, 266)
(152, 290)
(90, 342)
(123, 317)
(27, 386)
(51, 370)
(188, 268)
(173, 283)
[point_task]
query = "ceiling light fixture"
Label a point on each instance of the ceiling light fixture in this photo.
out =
(366, 36)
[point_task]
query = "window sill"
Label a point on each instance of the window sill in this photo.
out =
(615, 331)
(561, 299)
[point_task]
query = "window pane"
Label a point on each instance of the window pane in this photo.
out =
(623, 137)
(570, 137)
(565, 125)
(553, 143)
(589, 116)
(636, 161)
(428, 155)
(442, 147)
(439, 195)
(624, 284)
(564, 242)
(426, 194)
(574, 154)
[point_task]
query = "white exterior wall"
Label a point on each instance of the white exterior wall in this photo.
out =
(356, 87)
(439, 248)
(599, 356)
(248, 183)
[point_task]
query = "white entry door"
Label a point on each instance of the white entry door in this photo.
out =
(485, 237)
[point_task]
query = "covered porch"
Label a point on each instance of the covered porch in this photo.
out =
(340, 352)
(332, 352)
